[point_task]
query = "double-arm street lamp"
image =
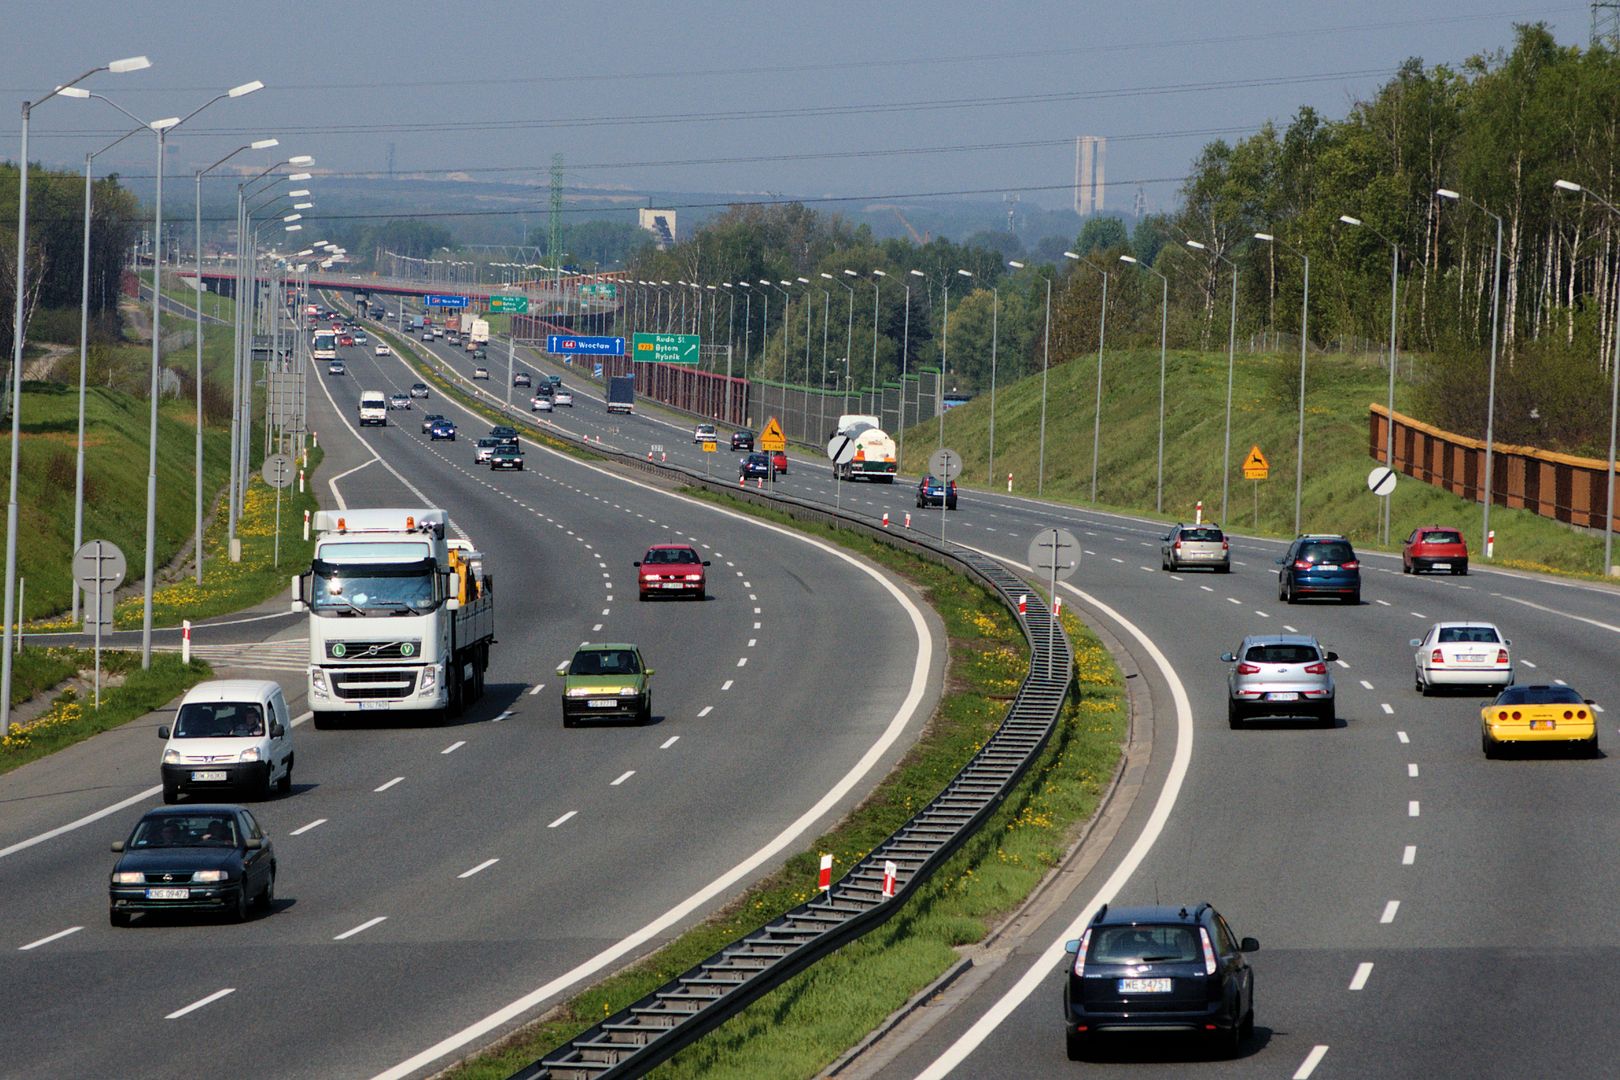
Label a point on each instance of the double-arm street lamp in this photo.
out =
(1394, 300)
(944, 344)
(1231, 360)
(1102, 337)
(1164, 326)
(1304, 317)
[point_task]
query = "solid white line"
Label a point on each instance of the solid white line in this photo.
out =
(1312, 1060)
(302, 829)
(727, 684)
(195, 1005)
(1389, 911)
(669, 742)
(50, 834)
(388, 785)
(1401, 735)
(485, 865)
(49, 938)
(1388, 709)
(1412, 808)
(367, 925)
(1365, 685)
(1412, 769)
(453, 747)
(332, 483)
(705, 711)
(562, 819)
(537, 688)
(1359, 980)
(1409, 855)
(627, 774)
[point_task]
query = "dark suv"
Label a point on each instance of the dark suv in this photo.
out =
(1159, 969)
(1319, 565)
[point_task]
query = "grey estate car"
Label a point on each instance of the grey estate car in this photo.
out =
(1196, 545)
(1280, 675)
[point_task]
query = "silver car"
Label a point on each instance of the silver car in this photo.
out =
(1280, 675)
(1196, 545)
(484, 448)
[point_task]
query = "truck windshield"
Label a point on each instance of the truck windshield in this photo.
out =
(367, 589)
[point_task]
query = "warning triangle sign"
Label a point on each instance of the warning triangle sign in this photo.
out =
(772, 438)
(1255, 466)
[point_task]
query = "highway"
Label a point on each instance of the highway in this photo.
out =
(1423, 911)
(431, 876)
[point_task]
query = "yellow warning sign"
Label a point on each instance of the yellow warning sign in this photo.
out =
(709, 446)
(772, 439)
(1255, 466)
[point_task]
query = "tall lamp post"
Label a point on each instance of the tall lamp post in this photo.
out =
(1046, 364)
(848, 334)
(1231, 359)
(1304, 316)
(1164, 326)
(1614, 403)
(905, 355)
(879, 275)
(1394, 300)
(1102, 337)
(944, 344)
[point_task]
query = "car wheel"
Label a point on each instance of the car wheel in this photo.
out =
(171, 793)
(322, 721)
(1224, 568)
(239, 913)
(284, 785)
(1354, 599)
(1487, 745)
(261, 786)
(1461, 569)
(702, 594)
(1076, 1045)
(117, 918)
(1288, 593)
(1328, 716)
(1406, 568)
(646, 714)
(1590, 746)
(1234, 715)
(1229, 1043)
(1418, 684)
(267, 895)
(569, 721)
(1246, 1029)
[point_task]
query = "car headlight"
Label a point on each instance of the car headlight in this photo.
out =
(250, 754)
(694, 577)
(627, 691)
(171, 757)
(317, 679)
(583, 691)
(430, 677)
(129, 877)
(209, 875)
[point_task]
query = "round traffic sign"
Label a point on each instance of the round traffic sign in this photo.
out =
(1381, 481)
(278, 470)
(99, 565)
(841, 449)
(1054, 553)
(945, 463)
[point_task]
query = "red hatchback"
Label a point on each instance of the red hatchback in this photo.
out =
(1435, 547)
(671, 570)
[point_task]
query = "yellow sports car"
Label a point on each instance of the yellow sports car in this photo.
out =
(1537, 713)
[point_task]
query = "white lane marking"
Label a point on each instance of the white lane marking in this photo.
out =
(1409, 855)
(742, 661)
(1177, 577)
(1389, 911)
(51, 834)
(1149, 569)
(1596, 707)
(46, 940)
(1388, 709)
(627, 774)
(1419, 614)
(1312, 1060)
(195, 1005)
(1343, 663)
(562, 819)
(537, 688)
(388, 785)
(705, 711)
(1359, 979)
(595, 628)
(756, 626)
(1206, 588)
(607, 610)
(302, 829)
(367, 925)
(669, 742)
(1385, 603)
(1401, 735)
(756, 610)
(337, 496)
(1365, 685)
(1290, 629)
(1233, 600)
(453, 747)
(1528, 664)
(1038, 973)
(1560, 682)
(1412, 769)
(485, 865)
(727, 684)
(1262, 614)
(752, 642)
(1412, 808)
(501, 717)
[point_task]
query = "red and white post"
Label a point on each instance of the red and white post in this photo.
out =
(889, 872)
(824, 879)
(185, 641)
(885, 519)
(1009, 483)
(1490, 544)
(908, 519)
(1057, 606)
(1198, 513)
(306, 524)
(1023, 604)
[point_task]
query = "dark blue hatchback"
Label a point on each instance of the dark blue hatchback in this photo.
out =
(1319, 565)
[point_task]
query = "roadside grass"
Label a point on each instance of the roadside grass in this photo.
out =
(1335, 498)
(34, 670)
(71, 719)
(221, 307)
(801, 1026)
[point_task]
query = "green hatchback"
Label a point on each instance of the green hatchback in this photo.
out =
(607, 681)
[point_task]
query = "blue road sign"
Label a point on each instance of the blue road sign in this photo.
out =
(566, 345)
(434, 300)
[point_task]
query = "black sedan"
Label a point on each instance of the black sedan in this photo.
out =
(754, 465)
(193, 858)
(742, 439)
(506, 457)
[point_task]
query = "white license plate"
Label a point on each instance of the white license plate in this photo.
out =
(1440, 566)
(1144, 986)
(1471, 658)
(672, 585)
(365, 705)
(603, 704)
(207, 777)
(1328, 566)
(1543, 725)
(168, 894)
(1282, 697)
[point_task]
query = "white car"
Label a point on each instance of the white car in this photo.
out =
(704, 433)
(540, 403)
(228, 733)
(561, 396)
(383, 350)
(1462, 654)
(481, 372)
(399, 401)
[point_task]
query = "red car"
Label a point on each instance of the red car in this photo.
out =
(779, 462)
(1434, 547)
(672, 570)
(346, 339)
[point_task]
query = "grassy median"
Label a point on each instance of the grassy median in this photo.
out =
(800, 1027)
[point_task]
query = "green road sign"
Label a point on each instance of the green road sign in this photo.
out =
(511, 305)
(667, 348)
(603, 289)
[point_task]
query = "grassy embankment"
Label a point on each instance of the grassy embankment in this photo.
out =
(803, 1025)
(1264, 412)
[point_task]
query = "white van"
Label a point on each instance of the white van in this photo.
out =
(373, 408)
(229, 733)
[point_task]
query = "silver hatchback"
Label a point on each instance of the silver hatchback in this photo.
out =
(1196, 545)
(1280, 675)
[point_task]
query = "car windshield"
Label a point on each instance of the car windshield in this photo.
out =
(185, 830)
(1202, 536)
(1276, 653)
(219, 719)
(1483, 634)
(488, 442)
(1144, 944)
(1327, 551)
(605, 662)
(671, 555)
(1441, 536)
(373, 588)
(1539, 695)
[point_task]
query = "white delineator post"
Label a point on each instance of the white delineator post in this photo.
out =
(1009, 483)
(889, 872)
(1198, 513)
(1490, 544)
(824, 879)
(1023, 604)
(185, 641)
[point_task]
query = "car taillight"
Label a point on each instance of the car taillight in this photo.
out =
(1225, 546)
(1302, 564)
(1580, 714)
(1176, 546)
(1568, 715)
(1209, 952)
(1316, 669)
(1437, 657)
(1248, 669)
(1351, 565)
(1517, 715)
(1080, 953)
(1501, 656)
(1502, 714)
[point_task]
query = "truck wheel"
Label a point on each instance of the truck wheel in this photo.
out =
(323, 721)
(171, 793)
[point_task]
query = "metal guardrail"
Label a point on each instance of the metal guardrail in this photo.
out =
(672, 1017)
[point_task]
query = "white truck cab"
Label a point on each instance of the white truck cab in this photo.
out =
(228, 733)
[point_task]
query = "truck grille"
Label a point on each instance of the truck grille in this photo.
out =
(360, 651)
(372, 685)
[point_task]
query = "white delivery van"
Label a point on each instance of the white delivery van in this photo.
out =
(373, 408)
(228, 734)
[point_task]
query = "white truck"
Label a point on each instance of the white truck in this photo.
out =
(373, 408)
(478, 334)
(400, 618)
(874, 458)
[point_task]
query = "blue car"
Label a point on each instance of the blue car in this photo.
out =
(754, 465)
(931, 491)
(442, 429)
(1319, 565)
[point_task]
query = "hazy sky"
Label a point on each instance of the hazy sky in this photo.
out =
(802, 99)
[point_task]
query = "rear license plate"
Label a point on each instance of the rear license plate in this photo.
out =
(1328, 566)
(1440, 566)
(1282, 697)
(1471, 658)
(168, 894)
(1144, 986)
(1543, 725)
(601, 703)
(207, 777)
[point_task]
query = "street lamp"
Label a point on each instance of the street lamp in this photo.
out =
(1490, 398)
(117, 67)
(1231, 359)
(1046, 364)
(1614, 403)
(1164, 325)
(944, 344)
(905, 350)
(1394, 296)
(1304, 316)
(875, 288)
(848, 334)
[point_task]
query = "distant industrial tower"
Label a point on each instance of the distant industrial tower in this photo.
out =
(555, 247)
(1139, 205)
(1606, 24)
(1090, 153)
(1011, 202)
(390, 161)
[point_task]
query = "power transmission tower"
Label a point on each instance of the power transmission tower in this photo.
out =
(556, 213)
(1139, 206)
(390, 161)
